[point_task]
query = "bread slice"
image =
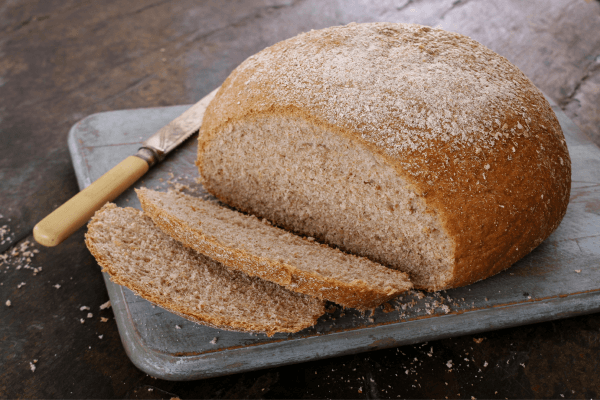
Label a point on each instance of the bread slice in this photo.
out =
(245, 243)
(137, 254)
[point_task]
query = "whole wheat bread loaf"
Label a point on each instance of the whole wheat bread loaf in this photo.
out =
(255, 247)
(418, 148)
(137, 254)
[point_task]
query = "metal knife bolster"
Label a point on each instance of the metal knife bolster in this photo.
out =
(157, 146)
(149, 155)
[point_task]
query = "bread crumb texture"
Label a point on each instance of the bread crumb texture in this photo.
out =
(255, 247)
(418, 148)
(137, 254)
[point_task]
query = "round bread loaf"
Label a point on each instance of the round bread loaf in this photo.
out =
(418, 148)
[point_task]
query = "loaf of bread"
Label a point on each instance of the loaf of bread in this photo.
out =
(245, 243)
(136, 254)
(418, 148)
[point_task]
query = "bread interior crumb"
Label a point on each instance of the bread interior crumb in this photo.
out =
(321, 184)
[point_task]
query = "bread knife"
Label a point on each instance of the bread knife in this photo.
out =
(73, 214)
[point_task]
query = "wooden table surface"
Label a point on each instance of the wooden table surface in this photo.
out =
(61, 60)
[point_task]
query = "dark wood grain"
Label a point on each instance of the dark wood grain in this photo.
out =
(61, 60)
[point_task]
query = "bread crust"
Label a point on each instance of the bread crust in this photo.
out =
(476, 140)
(212, 320)
(357, 294)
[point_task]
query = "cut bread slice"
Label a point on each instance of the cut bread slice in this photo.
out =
(245, 243)
(137, 254)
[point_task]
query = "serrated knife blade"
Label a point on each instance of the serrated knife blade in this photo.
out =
(176, 132)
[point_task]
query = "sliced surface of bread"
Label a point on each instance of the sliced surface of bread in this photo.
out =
(137, 254)
(245, 243)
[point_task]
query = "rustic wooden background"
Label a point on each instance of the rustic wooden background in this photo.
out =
(61, 60)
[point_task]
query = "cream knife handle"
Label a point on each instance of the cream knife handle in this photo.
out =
(72, 215)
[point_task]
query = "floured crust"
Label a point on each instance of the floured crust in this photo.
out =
(476, 140)
(92, 240)
(357, 294)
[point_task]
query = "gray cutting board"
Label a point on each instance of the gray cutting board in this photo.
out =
(543, 286)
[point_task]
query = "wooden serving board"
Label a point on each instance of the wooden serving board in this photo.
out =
(559, 279)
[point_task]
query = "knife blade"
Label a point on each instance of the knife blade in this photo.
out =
(73, 214)
(176, 132)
